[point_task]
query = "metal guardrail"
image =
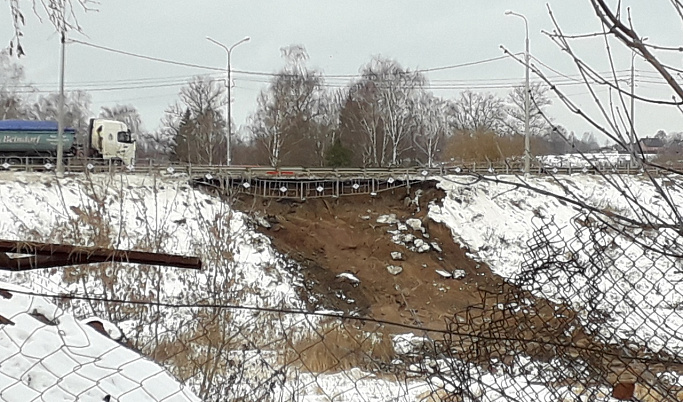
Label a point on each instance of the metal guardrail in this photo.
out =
(311, 182)
(249, 172)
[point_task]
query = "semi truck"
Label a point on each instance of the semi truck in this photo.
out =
(23, 141)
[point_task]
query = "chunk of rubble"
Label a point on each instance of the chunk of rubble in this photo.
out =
(436, 246)
(455, 274)
(421, 246)
(402, 227)
(389, 219)
(262, 221)
(414, 223)
(349, 276)
(397, 256)
(395, 269)
(443, 273)
(459, 273)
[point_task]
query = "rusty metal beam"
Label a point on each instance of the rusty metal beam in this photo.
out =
(46, 255)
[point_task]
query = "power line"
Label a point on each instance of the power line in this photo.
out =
(173, 62)
(140, 56)
(222, 306)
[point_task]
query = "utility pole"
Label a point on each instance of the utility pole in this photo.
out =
(228, 107)
(527, 145)
(632, 133)
(60, 107)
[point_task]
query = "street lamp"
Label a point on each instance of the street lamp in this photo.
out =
(229, 84)
(527, 147)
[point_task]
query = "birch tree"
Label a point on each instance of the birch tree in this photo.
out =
(432, 128)
(361, 125)
(381, 111)
(291, 124)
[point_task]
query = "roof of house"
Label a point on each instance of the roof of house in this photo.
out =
(652, 142)
(48, 355)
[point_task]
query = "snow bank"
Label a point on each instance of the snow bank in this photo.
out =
(48, 355)
(636, 286)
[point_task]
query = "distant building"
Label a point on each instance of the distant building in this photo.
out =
(651, 145)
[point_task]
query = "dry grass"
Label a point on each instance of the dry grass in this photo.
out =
(336, 346)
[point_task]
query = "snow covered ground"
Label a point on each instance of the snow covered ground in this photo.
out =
(48, 355)
(162, 214)
(140, 212)
(496, 221)
(634, 281)
(600, 159)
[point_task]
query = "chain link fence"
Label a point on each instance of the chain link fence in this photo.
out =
(592, 314)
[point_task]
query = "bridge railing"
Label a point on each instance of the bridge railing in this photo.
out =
(170, 168)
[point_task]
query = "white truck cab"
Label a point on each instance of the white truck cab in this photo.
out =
(111, 140)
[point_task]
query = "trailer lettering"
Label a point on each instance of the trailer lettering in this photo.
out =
(13, 139)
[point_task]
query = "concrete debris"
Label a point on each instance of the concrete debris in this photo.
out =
(388, 219)
(414, 223)
(458, 274)
(421, 246)
(455, 274)
(397, 256)
(262, 221)
(394, 269)
(443, 273)
(349, 276)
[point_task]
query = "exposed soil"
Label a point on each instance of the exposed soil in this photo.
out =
(329, 237)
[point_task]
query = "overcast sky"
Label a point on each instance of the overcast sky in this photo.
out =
(340, 37)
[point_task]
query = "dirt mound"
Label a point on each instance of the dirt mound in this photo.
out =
(357, 235)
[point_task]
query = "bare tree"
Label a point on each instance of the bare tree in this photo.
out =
(13, 89)
(76, 109)
(361, 125)
(432, 128)
(538, 122)
(477, 112)
(380, 111)
(292, 122)
(613, 118)
(196, 122)
(62, 14)
(124, 113)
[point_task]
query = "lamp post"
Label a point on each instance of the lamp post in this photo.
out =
(228, 107)
(527, 146)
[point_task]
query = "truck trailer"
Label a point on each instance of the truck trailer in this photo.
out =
(36, 141)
